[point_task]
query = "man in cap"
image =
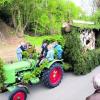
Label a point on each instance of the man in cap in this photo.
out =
(96, 84)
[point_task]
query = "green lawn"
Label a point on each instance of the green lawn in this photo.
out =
(37, 41)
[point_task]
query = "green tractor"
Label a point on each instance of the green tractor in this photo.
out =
(21, 74)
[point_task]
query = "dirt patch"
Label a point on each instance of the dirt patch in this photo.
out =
(8, 48)
(8, 42)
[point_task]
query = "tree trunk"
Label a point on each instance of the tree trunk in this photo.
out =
(36, 29)
(20, 28)
(14, 19)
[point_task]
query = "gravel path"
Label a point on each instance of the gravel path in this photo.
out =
(71, 88)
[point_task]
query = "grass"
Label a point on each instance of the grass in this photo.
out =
(37, 41)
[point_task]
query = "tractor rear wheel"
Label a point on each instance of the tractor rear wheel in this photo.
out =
(18, 94)
(53, 76)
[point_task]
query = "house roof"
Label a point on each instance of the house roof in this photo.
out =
(85, 24)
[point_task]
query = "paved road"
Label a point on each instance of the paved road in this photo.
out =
(71, 88)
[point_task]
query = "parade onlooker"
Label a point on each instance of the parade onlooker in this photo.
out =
(96, 94)
(22, 47)
(19, 53)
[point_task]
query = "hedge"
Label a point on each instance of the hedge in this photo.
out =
(87, 62)
(82, 62)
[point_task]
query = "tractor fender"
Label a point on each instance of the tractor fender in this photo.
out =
(55, 61)
(12, 88)
(25, 88)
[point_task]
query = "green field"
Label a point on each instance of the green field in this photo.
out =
(37, 41)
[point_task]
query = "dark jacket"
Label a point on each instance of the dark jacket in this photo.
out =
(44, 50)
(23, 48)
(94, 96)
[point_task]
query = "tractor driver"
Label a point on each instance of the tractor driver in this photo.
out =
(44, 48)
(49, 55)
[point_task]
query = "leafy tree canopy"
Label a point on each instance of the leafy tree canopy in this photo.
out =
(3, 1)
(41, 16)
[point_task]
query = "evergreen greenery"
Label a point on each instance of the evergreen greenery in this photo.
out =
(82, 62)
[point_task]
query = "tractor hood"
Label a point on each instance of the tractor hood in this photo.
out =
(11, 69)
(20, 65)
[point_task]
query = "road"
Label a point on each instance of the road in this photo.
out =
(71, 88)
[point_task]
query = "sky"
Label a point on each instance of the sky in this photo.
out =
(85, 4)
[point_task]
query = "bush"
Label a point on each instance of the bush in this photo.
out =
(2, 78)
(30, 54)
(87, 62)
(82, 62)
(72, 47)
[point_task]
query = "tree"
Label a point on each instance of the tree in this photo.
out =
(96, 17)
(41, 16)
(3, 1)
(21, 11)
(96, 3)
(53, 12)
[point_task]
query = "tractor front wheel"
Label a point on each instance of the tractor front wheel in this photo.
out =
(18, 94)
(53, 76)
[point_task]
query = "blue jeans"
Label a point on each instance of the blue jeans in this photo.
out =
(19, 56)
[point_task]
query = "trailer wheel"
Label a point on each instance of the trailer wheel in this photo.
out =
(18, 94)
(53, 76)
